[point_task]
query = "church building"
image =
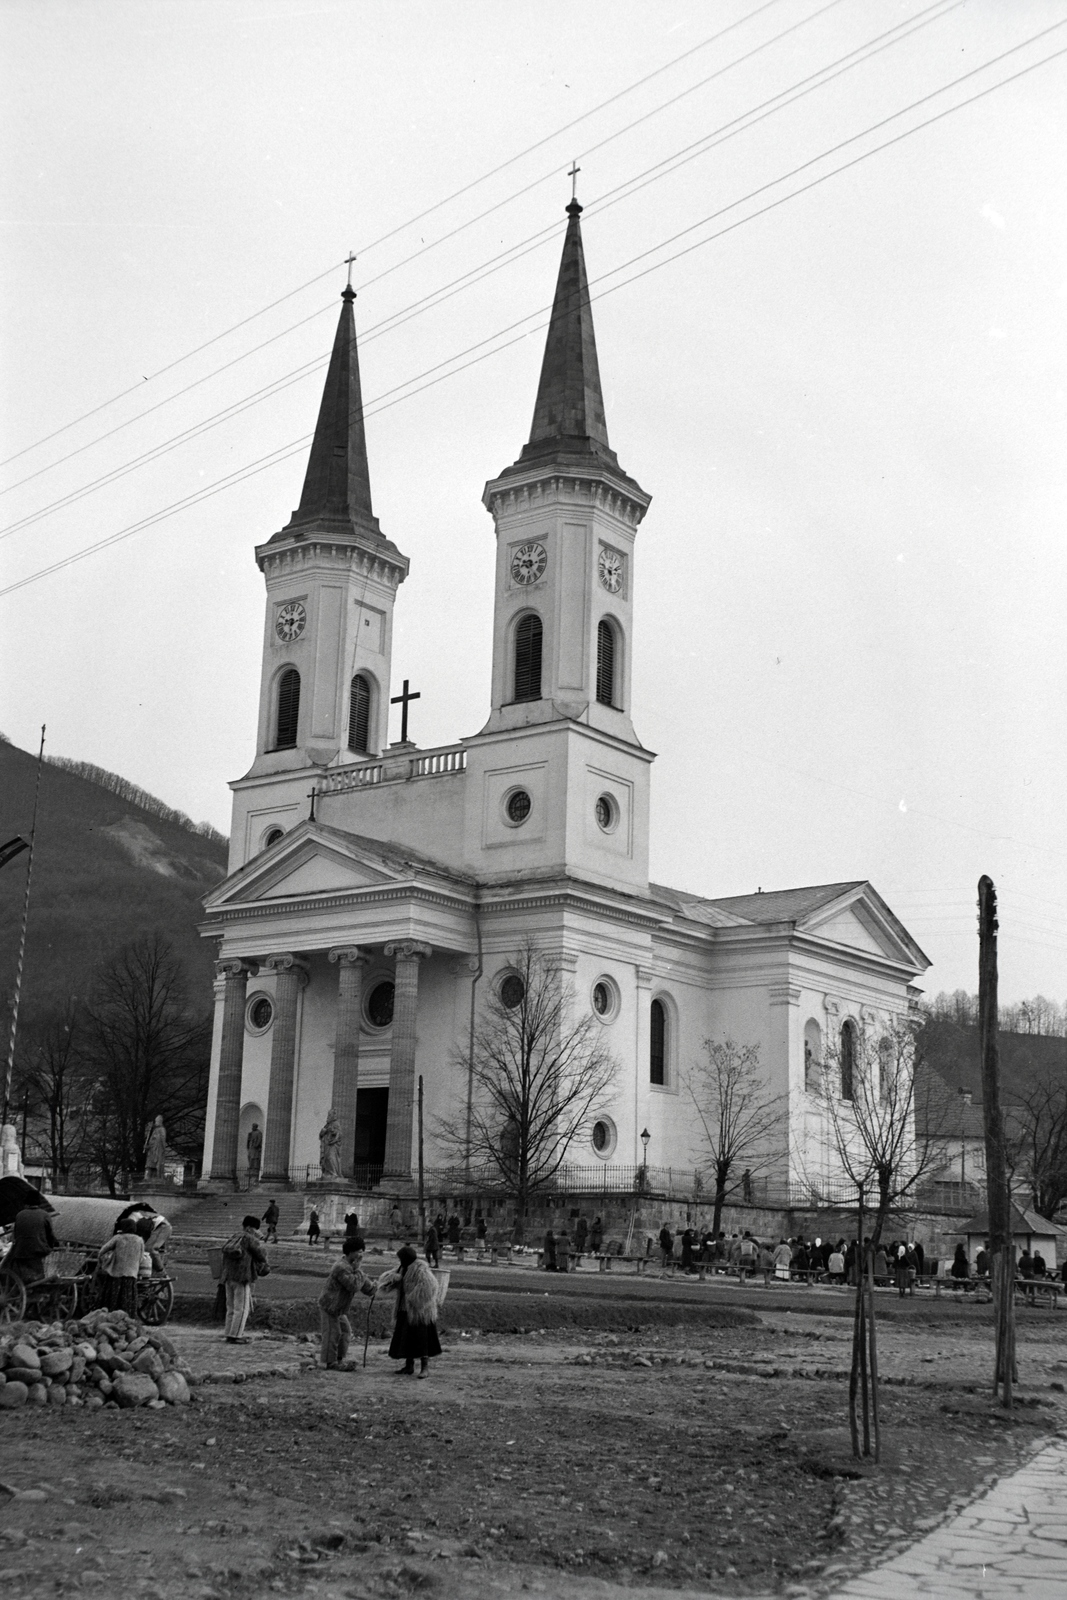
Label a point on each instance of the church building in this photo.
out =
(362, 929)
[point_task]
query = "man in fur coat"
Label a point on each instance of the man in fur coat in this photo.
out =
(346, 1278)
(415, 1329)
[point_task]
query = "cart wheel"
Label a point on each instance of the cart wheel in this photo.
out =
(58, 1300)
(155, 1301)
(12, 1297)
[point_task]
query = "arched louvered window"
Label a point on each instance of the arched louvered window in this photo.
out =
(848, 1061)
(359, 714)
(288, 709)
(528, 658)
(657, 1047)
(605, 664)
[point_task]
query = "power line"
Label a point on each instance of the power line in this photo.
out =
(623, 191)
(419, 217)
(274, 458)
(433, 245)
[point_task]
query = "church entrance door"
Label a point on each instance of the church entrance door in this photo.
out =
(372, 1112)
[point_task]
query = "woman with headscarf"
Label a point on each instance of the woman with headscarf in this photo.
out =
(415, 1329)
(118, 1268)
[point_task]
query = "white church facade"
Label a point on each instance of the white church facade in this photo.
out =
(361, 930)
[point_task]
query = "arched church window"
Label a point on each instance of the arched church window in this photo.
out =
(359, 714)
(288, 709)
(605, 664)
(657, 1046)
(528, 636)
(848, 1060)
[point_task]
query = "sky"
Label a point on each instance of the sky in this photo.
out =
(838, 369)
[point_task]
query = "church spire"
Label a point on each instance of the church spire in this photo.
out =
(569, 425)
(337, 482)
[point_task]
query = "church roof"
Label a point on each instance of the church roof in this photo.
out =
(1026, 1222)
(784, 905)
(815, 910)
(337, 481)
(569, 427)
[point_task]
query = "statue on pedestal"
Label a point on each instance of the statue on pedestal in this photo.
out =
(254, 1147)
(10, 1154)
(330, 1147)
(155, 1157)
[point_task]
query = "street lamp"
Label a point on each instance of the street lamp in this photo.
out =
(645, 1137)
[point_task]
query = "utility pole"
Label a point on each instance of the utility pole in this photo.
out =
(422, 1189)
(998, 1198)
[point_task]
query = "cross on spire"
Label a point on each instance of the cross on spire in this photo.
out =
(349, 258)
(573, 176)
(403, 701)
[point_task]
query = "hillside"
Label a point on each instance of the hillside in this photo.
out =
(106, 870)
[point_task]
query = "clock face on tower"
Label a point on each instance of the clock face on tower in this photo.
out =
(290, 622)
(528, 563)
(610, 569)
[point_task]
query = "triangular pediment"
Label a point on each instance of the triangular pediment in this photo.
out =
(315, 860)
(861, 920)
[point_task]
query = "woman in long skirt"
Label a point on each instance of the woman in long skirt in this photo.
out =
(415, 1330)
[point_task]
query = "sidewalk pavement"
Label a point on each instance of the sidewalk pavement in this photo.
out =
(1009, 1544)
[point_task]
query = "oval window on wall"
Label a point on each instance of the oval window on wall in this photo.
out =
(512, 991)
(605, 998)
(517, 807)
(259, 1013)
(604, 1137)
(379, 1007)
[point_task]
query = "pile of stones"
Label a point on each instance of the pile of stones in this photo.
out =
(104, 1359)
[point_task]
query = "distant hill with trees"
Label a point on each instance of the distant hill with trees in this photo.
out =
(112, 864)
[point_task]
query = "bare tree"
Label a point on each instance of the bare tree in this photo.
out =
(535, 1074)
(58, 1086)
(149, 1053)
(1036, 1136)
(739, 1116)
(889, 1116)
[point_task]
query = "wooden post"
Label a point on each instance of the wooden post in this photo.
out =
(422, 1191)
(874, 1361)
(998, 1198)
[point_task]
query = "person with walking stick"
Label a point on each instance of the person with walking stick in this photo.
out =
(345, 1280)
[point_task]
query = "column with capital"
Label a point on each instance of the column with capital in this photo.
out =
(398, 1129)
(235, 973)
(350, 964)
(290, 977)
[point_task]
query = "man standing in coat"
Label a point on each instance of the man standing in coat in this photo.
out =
(341, 1286)
(32, 1243)
(243, 1256)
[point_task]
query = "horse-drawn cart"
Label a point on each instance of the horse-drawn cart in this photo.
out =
(82, 1225)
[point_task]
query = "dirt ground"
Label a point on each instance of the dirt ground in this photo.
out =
(564, 1463)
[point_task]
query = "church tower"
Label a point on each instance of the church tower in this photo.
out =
(560, 781)
(566, 517)
(331, 577)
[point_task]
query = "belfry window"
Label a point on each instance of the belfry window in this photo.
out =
(359, 714)
(528, 658)
(657, 1045)
(605, 664)
(288, 709)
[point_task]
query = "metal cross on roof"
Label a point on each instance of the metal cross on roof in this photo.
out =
(403, 700)
(573, 176)
(349, 258)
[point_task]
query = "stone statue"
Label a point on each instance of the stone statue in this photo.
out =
(155, 1156)
(330, 1147)
(254, 1146)
(10, 1154)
